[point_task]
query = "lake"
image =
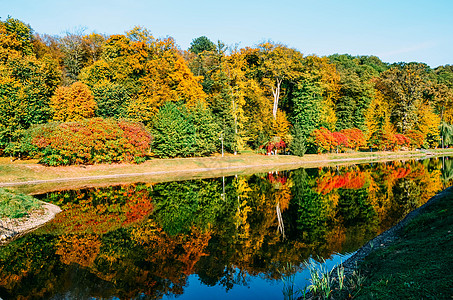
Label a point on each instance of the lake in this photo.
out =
(224, 238)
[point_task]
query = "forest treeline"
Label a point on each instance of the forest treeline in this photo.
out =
(263, 98)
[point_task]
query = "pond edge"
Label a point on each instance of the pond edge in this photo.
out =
(12, 229)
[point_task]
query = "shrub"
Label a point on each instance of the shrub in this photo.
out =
(416, 138)
(402, 141)
(275, 144)
(88, 141)
(323, 139)
(183, 132)
(356, 138)
(341, 141)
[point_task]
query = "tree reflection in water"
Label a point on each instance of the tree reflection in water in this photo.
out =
(144, 240)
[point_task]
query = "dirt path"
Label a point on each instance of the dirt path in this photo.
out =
(31, 178)
(196, 170)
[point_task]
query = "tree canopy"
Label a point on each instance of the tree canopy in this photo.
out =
(250, 96)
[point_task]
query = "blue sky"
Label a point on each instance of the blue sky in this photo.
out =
(394, 30)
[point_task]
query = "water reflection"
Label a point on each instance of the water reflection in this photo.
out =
(148, 240)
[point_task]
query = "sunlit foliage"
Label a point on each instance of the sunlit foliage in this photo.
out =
(252, 94)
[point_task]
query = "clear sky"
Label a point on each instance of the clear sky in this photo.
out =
(394, 30)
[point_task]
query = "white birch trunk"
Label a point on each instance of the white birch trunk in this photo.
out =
(276, 93)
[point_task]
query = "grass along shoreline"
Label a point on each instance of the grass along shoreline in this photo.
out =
(411, 260)
(31, 178)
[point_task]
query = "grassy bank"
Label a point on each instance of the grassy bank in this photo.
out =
(30, 177)
(412, 260)
(16, 205)
(419, 264)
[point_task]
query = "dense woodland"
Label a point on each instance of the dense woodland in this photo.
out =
(161, 100)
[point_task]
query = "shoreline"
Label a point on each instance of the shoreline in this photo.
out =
(11, 229)
(31, 178)
(391, 235)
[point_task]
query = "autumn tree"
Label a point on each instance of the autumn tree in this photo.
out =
(355, 92)
(73, 103)
(442, 93)
(228, 100)
(404, 85)
(167, 78)
(313, 100)
(377, 116)
(93, 46)
(16, 36)
(278, 63)
(26, 83)
(75, 55)
(428, 125)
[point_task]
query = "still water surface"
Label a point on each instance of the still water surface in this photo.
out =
(223, 238)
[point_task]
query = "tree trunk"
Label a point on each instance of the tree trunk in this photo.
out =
(281, 226)
(276, 93)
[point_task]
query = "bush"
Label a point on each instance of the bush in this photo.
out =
(324, 140)
(88, 141)
(179, 132)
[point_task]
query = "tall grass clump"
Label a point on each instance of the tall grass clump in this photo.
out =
(288, 277)
(332, 284)
(320, 278)
(15, 205)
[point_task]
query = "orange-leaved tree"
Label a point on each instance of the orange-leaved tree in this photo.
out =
(73, 103)
(356, 138)
(323, 139)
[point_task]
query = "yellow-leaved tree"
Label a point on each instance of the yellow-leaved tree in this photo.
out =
(166, 78)
(73, 103)
(428, 125)
(281, 126)
(377, 115)
(278, 64)
(186, 84)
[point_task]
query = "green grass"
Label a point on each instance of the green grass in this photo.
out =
(419, 265)
(16, 205)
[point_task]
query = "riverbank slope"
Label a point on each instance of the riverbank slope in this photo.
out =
(413, 260)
